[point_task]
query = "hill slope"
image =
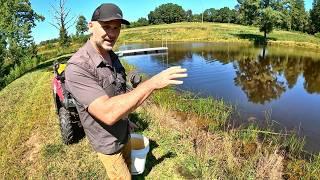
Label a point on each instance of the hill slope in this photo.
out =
(30, 136)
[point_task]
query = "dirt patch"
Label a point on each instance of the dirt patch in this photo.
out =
(270, 167)
(33, 147)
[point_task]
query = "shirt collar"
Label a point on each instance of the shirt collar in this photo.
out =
(95, 56)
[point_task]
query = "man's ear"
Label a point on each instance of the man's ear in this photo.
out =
(90, 26)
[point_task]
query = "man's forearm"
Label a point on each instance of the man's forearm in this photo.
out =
(113, 109)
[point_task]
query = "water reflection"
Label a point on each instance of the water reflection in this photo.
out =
(263, 74)
(258, 80)
(258, 71)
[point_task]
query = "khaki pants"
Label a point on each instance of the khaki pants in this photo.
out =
(118, 166)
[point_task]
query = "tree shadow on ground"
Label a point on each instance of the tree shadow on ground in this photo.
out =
(256, 38)
(152, 161)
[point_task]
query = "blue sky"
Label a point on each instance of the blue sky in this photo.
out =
(132, 10)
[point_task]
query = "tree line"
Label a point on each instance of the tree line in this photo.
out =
(266, 14)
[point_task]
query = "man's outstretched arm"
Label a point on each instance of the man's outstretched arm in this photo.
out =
(111, 109)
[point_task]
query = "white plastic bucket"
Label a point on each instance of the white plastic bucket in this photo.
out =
(140, 148)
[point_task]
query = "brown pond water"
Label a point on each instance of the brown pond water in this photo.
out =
(280, 84)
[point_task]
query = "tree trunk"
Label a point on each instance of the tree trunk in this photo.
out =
(265, 37)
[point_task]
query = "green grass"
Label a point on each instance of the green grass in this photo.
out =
(214, 113)
(30, 138)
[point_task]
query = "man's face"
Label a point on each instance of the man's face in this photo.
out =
(105, 34)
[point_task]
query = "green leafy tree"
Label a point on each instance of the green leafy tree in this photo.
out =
(223, 15)
(315, 17)
(267, 20)
(17, 20)
(167, 13)
(189, 15)
(2, 57)
(209, 15)
(226, 15)
(16, 43)
(140, 22)
(285, 19)
(249, 11)
(82, 25)
(268, 14)
(299, 17)
(143, 21)
(196, 17)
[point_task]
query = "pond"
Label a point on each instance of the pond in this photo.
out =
(278, 84)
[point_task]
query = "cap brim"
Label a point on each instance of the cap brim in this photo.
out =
(123, 21)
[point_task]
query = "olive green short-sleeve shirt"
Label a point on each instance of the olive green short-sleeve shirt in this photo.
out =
(88, 76)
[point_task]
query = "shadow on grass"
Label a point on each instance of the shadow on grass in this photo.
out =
(139, 121)
(256, 38)
(152, 161)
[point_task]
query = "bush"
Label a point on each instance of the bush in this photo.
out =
(19, 70)
(317, 35)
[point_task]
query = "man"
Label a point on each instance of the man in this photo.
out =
(97, 81)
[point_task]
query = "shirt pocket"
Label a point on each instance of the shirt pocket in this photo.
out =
(107, 82)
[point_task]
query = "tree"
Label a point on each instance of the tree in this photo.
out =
(17, 20)
(167, 13)
(141, 22)
(62, 22)
(269, 16)
(209, 14)
(315, 17)
(298, 15)
(16, 43)
(82, 25)
(264, 13)
(2, 57)
(189, 15)
(249, 11)
(196, 17)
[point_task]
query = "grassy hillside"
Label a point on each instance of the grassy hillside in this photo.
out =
(216, 32)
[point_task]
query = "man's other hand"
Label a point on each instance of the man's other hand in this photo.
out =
(168, 77)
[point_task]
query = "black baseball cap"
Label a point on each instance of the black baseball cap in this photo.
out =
(108, 12)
